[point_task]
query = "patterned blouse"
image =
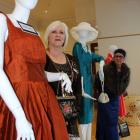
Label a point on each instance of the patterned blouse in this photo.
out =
(72, 69)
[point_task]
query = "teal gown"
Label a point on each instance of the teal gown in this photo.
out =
(85, 60)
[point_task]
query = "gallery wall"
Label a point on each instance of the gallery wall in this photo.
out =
(119, 23)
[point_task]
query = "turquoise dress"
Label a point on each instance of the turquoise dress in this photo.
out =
(85, 60)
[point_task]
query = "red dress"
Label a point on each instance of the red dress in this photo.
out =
(24, 60)
(108, 58)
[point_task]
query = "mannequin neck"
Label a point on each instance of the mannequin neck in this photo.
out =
(20, 13)
(82, 42)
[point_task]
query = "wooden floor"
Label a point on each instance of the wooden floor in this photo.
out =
(134, 132)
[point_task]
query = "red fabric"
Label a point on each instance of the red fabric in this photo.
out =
(122, 111)
(108, 58)
(24, 61)
(122, 108)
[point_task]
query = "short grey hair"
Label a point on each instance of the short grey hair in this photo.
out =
(53, 26)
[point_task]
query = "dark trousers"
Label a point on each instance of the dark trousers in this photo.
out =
(107, 120)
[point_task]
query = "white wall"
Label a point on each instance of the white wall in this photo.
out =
(117, 17)
(119, 23)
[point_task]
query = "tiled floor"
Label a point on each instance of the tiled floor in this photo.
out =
(134, 132)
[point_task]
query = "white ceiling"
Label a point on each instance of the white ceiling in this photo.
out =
(56, 9)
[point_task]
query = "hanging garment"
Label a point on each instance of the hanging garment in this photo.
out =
(85, 60)
(24, 60)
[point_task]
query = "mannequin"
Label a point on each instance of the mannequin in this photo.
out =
(84, 33)
(19, 76)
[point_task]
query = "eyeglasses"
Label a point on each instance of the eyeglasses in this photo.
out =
(119, 56)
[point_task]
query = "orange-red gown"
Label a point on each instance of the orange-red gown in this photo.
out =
(24, 61)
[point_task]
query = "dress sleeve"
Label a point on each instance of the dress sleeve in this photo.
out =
(76, 85)
(96, 57)
(97, 85)
(77, 51)
(125, 81)
(78, 90)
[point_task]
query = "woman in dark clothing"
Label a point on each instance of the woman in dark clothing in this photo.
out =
(58, 61)
(116, 80)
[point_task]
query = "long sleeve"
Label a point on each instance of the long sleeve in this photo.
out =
(96, 57)
(77, 51)
(125, 79)
(97, 85)
(76, 86)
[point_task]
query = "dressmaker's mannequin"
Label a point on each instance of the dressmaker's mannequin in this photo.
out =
(83, 33)
(23, 87)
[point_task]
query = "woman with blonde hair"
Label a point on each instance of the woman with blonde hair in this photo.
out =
(56, 37)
